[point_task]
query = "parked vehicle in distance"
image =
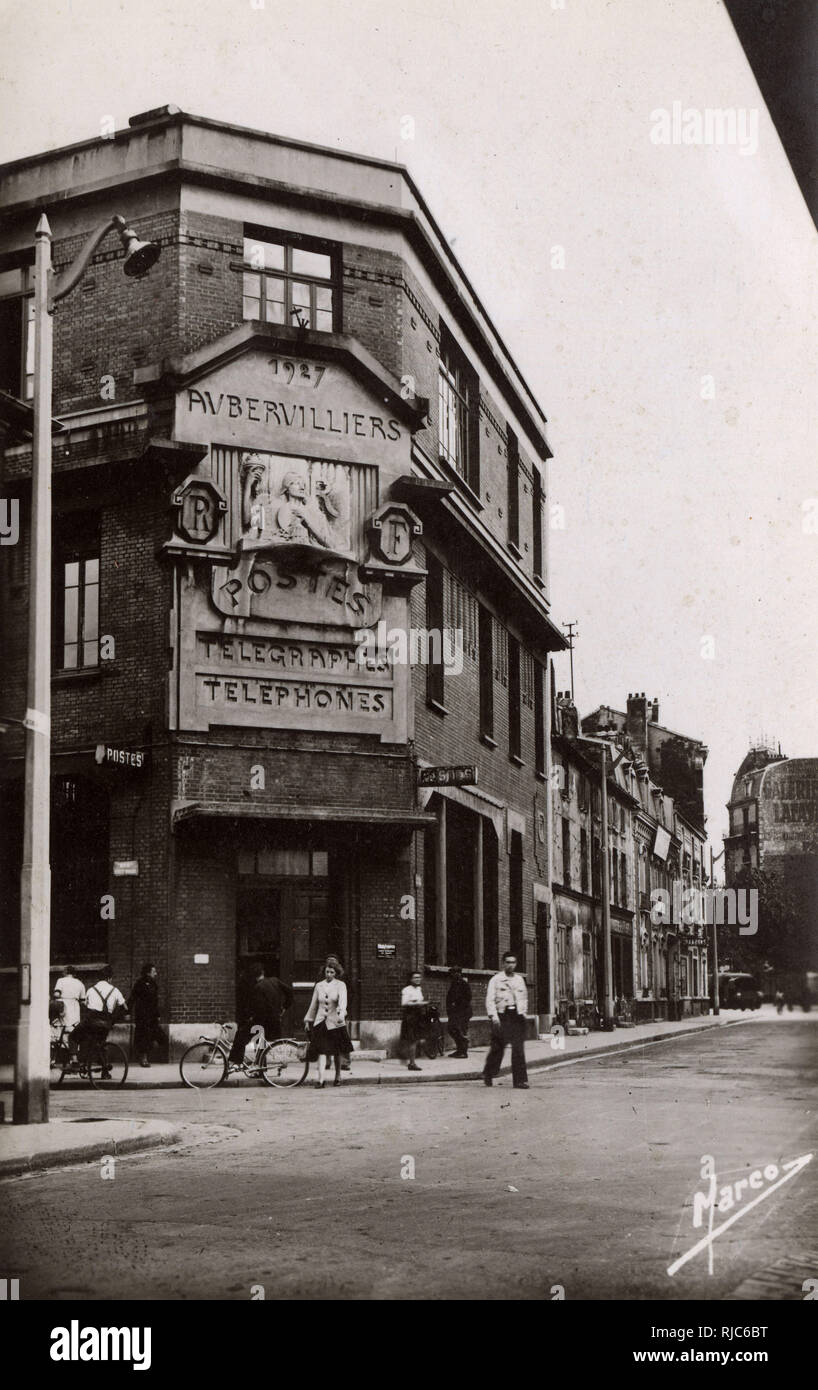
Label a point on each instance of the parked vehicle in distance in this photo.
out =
(739, 991)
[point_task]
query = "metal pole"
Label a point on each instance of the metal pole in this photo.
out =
(32, 1066)
(715, 939)
(606, 900)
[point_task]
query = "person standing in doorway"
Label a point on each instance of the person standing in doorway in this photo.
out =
(412, 1002)
(144, 1007)
(506, 1006)
(458, 1010)
(326, 1019)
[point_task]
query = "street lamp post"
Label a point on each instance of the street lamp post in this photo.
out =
(32, 1060)
(715, 937)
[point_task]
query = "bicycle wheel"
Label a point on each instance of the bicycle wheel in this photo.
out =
(107, 1067)
(433, 1046)
(59, 1065)
(203, 1065)
(285, 1062)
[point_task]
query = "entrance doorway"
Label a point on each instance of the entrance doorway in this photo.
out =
(285, 918)
(543, 962)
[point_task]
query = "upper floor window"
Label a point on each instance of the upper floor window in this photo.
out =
(76, 605)
(539, 718)
(566, 852)
(514, 699)
(537, 509)
(513, 490)
(458, 412)
(485, 642)
(17, 332)
(290, 283)
(434, 623)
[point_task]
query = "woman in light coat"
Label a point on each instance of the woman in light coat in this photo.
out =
(326, 1018)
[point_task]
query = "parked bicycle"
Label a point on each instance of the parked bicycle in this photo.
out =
(102, 1063)
(431, 1036)
(282, 1063)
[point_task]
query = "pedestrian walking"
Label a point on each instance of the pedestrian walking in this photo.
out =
(458, 1011)
(144, 1008)
(412, 1018)
(326, 1020)
(506, 1006)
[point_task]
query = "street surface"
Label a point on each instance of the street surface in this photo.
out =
(584, 1182)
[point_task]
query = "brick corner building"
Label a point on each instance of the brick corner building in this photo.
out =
(299, 556)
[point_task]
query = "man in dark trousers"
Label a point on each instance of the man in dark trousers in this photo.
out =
(261, 1002)
(458, 1011)
(268, 1001)
(507, 1006)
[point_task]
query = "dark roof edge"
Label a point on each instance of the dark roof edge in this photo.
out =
(182, 117)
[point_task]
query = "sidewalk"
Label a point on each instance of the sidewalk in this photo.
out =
(28, 1148)
(392, 1072)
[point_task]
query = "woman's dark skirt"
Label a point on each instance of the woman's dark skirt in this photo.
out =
(328, 1042)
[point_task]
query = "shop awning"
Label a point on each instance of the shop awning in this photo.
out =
(182, 811)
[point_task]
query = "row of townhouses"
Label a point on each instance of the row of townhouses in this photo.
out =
(292, 448)
(657, 865)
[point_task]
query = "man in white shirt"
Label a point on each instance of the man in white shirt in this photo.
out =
(104, 1006)
(506, 1006)
(72, 993)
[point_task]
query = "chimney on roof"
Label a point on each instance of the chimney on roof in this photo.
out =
(567, 716)
(636, 723)
(654, 710)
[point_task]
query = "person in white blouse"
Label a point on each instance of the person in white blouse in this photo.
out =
(72, 992)
(507, 1006)
(411, 1000)
(326, 1019)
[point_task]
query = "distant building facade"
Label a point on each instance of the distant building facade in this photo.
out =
(659, 961)
(773, 829)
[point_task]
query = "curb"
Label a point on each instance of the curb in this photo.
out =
(544, 1063)
(404, 1078)
(97, 1148)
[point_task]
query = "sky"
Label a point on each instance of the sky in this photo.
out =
(659, 298)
